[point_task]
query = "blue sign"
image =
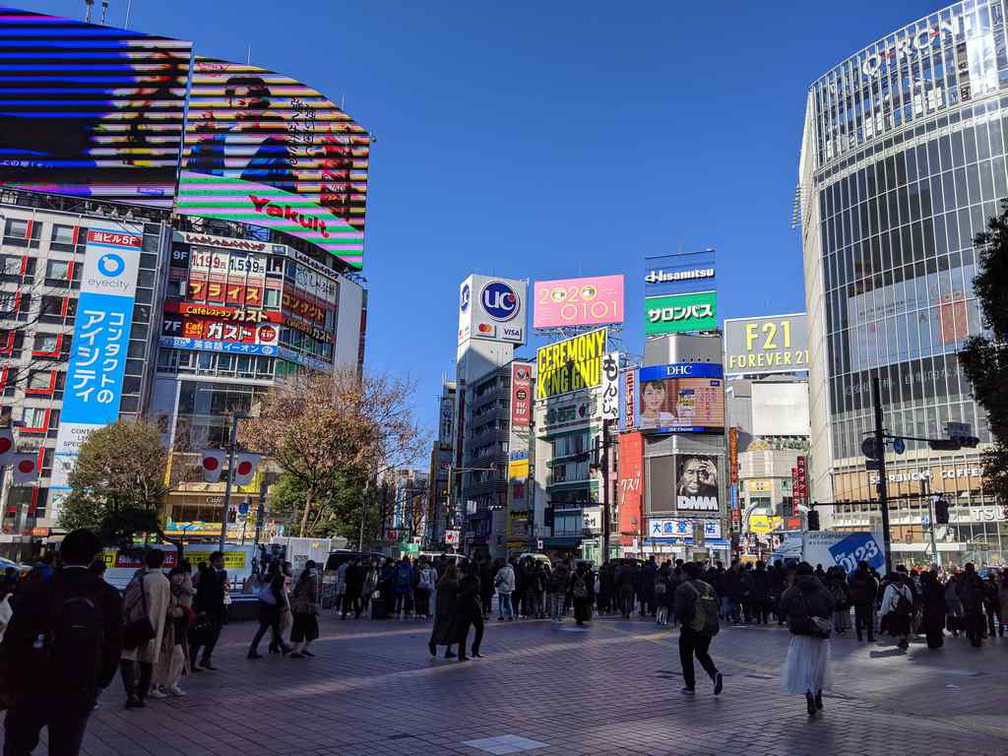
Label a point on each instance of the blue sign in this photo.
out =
(681, 370)
(464, 298)
(500, 301)
(209, 345)
(857, 548)
(679, 274)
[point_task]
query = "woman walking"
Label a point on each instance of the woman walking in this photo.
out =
(808, 607)
(444, 632)
(174, 653)
(271, 602)
(897, 608)
(304, 606)
(582, 593)
(953, 606)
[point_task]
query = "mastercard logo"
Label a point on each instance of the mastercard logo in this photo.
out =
(485, 328)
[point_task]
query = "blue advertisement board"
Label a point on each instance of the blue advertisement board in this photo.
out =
(680, 273)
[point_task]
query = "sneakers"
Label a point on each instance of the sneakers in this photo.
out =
(206, 665)
(719, 684)
(308, 653)
(176, 691)
(156, 692)
(687, 691)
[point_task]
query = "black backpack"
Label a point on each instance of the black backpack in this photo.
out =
(75, 639)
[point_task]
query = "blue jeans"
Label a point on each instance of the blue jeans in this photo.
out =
(504, 602)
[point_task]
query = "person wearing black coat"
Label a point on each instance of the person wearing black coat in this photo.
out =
(624, 584)
(646, 588)
(933, 599)
(210, 592)
(582, 593)
(445, 630)
(864, 589)
(760, 594)
(354, 589)
(809, 607)
(469, 611)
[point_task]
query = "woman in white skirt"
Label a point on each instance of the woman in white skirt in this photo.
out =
(809, 608)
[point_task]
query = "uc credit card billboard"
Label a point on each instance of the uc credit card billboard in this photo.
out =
(596, 300)
(493, 309)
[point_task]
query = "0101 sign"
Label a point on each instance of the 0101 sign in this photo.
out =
(596, 300)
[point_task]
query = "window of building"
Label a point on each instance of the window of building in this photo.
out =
(62, 238)
(58, 270)
(46, 342)
(41, 380)
(272, 298)
(34, 418)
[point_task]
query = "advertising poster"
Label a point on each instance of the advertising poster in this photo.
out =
(609, 399)
(100, 341)
(888, 325)
(629, 396)
(446, 422)
(679, 273)
(675, 313)
(266, 149)
(630, 483)
(492, 309)
(774, 344)
(521, 395)
(683, 529)
(597, 300)
(686, 398)
(570, 365)
(696, 483)
(92, 111)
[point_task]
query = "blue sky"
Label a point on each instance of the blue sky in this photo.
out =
(551, 139)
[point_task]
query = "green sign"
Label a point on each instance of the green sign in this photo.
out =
(681, 312)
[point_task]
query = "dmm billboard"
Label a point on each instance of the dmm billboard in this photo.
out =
(596, 300)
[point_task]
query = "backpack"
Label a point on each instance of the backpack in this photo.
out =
(660, 586)
(705, 609)
(425, 579)
(904, 607)
(402, 576)
(839, 591)
(75, 639)
(580, 588)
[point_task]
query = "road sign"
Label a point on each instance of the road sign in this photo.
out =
(899, 445)
(871, 448)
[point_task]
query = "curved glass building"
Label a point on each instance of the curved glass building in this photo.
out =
(902, 162)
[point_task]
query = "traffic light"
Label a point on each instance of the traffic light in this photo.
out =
(813, 520)
(945, 444)
(969, 441)
(941, 509)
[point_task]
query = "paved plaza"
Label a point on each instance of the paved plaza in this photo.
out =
(610, 688)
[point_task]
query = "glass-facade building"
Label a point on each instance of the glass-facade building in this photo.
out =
(902, 163)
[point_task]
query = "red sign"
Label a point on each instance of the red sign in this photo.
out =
(238, 314)
(733, 454)
(521, 394)
(119, 240)
(630, 483)
(213, 329)
(303, 308)
(630, 397)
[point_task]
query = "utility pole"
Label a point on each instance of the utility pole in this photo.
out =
(925, 487)
(230, 476)
(883, 493)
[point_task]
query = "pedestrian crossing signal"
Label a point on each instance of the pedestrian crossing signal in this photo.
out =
(813, 520)
(941, 511)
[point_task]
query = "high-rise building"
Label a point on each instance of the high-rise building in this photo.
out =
(902, 163)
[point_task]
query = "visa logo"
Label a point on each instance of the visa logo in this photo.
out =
(511, 333)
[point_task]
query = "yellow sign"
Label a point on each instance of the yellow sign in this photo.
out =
(518, 469)
(571, 365)
(233, 560)
(759, 485)
(762, 524)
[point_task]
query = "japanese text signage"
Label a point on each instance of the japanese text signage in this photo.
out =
(775, 344)
(681, 529)
(610, 403)
(570, 365)
(675, 313)
(100, 341)
(521, 394)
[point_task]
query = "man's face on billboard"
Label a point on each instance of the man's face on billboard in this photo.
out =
(695, 476)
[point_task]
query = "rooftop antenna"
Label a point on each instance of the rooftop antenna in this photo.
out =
(87, 10)
(104, 10)
(129, 5)
(248, 55)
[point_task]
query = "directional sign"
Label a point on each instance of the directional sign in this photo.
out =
(871, 448)
(899, 445)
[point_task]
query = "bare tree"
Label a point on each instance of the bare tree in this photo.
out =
(318, 425)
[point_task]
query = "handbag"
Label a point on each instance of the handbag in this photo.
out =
(806, 624)
(139, 631)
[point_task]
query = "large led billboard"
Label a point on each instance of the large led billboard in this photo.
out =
(596, 300)
(684, 398)
(265, 149)
(90, 111)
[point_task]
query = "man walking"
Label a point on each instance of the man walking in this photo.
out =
(559, 581)
(63, 643)
(696, 607)
(213, 585)
(863, 591)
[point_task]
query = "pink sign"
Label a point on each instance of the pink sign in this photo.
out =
(596, 300)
